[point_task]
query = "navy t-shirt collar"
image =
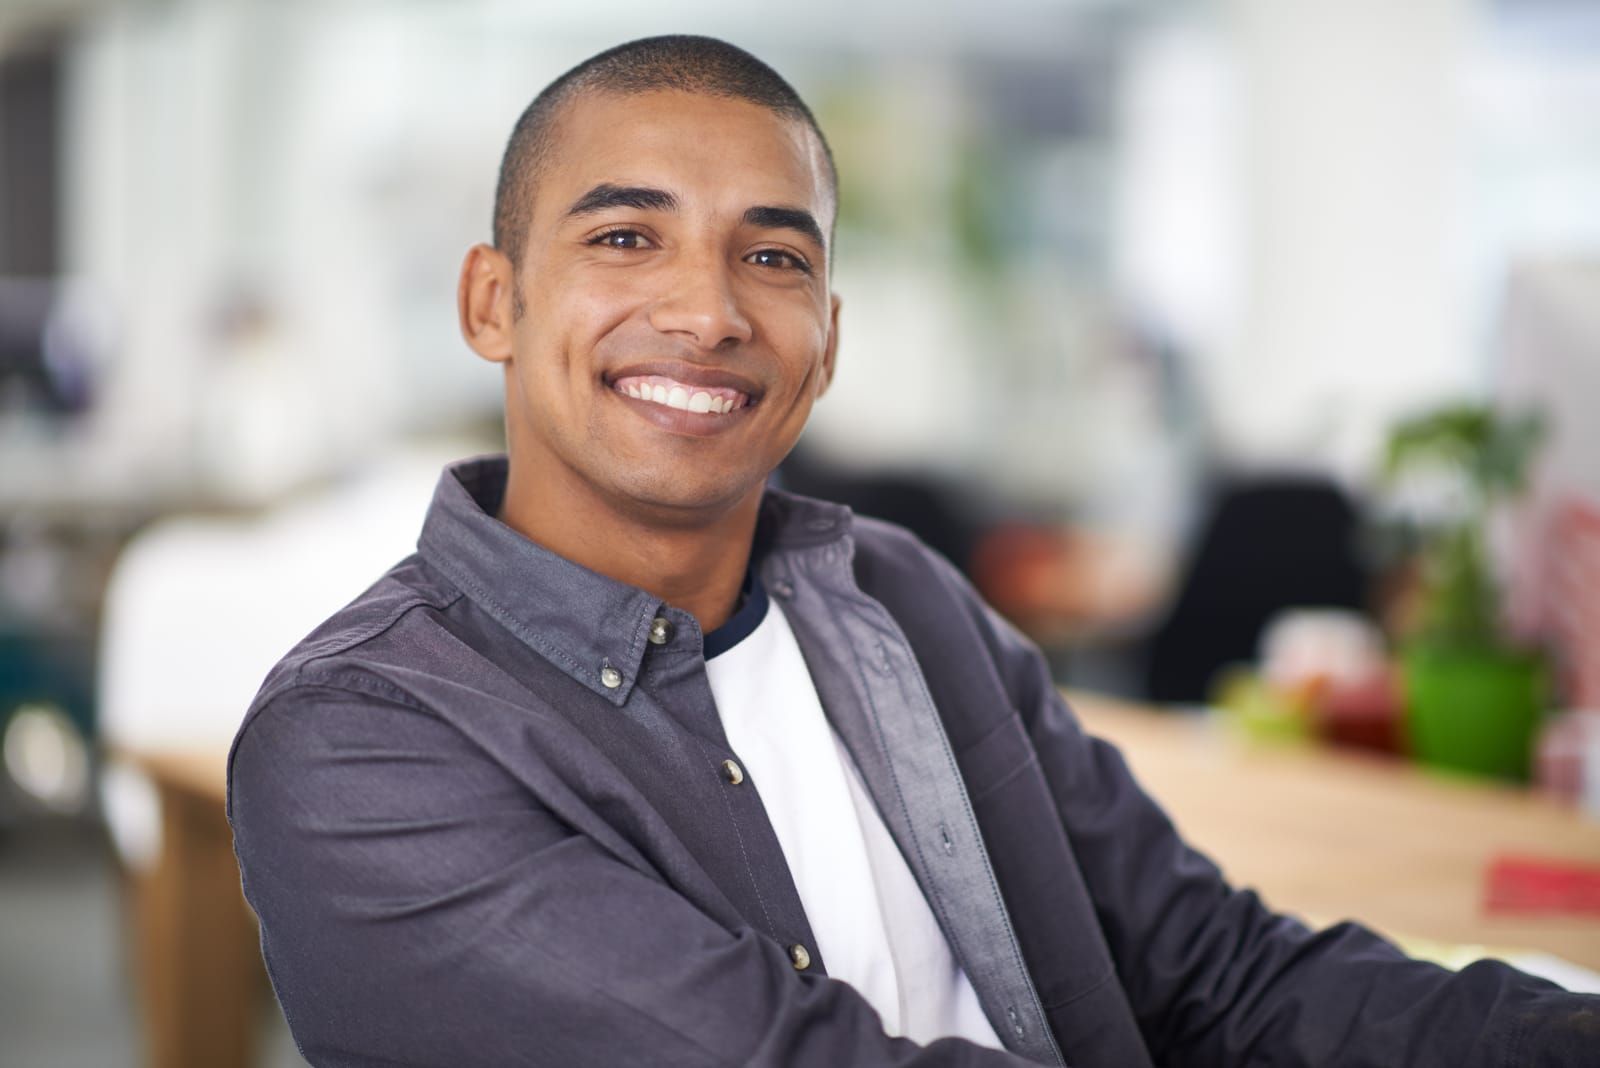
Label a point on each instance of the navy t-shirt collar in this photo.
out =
(745, 619)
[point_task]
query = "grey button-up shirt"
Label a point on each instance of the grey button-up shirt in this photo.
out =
(487, 815)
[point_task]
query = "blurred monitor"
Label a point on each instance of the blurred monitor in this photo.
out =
(36, 372)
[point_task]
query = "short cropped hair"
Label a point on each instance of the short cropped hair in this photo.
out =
(690, 64)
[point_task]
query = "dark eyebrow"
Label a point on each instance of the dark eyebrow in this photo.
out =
(605, 196)
(796, 219)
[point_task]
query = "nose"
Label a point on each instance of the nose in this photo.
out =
(700, 304)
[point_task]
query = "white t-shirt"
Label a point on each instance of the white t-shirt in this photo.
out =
(868, 914)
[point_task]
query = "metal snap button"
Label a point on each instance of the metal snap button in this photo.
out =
(800, 957)
(610, 677)
(661, 629)
(732, 772)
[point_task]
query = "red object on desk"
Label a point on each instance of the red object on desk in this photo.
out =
(1531, 885)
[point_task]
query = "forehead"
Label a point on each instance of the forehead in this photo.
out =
(708, 151)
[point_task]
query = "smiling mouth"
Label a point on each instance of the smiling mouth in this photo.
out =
(670, 393)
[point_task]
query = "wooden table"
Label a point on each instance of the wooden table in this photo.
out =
(1330, 835)
(202, 986)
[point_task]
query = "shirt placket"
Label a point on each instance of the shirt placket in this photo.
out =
(717, 802)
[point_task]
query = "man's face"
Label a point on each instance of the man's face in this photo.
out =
(677, 323)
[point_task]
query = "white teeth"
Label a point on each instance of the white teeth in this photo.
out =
(680, 397)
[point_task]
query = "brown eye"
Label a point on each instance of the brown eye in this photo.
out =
(622, 239)
(779, 260)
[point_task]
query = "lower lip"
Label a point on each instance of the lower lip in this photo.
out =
(679, 421)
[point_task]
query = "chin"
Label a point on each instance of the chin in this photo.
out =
(690, 502)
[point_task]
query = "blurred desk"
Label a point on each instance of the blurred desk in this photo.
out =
(201, 981)
(1331, 834)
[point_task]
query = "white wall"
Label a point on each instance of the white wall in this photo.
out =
(1353, 224)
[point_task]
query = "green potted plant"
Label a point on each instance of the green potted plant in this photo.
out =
(1474, 698)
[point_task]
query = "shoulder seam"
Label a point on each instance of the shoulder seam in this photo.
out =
(356, 681)
(350, 641)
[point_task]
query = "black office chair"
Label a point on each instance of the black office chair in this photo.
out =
(1270, 544)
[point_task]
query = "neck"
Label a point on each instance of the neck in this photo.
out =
(695, 563)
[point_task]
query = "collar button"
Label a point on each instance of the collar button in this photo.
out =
(610, 677)
(661, 630)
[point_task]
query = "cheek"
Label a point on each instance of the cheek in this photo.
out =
(569, 320)
(807, 358)
(798, 330)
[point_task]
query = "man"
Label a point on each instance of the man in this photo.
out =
(635, 760)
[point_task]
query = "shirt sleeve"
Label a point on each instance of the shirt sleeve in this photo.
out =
(419, 906)
(1215, 977)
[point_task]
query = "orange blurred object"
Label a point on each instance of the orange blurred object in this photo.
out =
(1057, 583)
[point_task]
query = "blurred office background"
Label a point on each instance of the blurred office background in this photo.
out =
(1135, 294)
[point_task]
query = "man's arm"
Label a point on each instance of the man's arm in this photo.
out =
(1214, 977)
(418, 906)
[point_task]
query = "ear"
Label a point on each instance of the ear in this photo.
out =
(830, 353)
(485, 299)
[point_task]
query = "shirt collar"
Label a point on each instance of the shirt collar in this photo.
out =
(587, 624)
